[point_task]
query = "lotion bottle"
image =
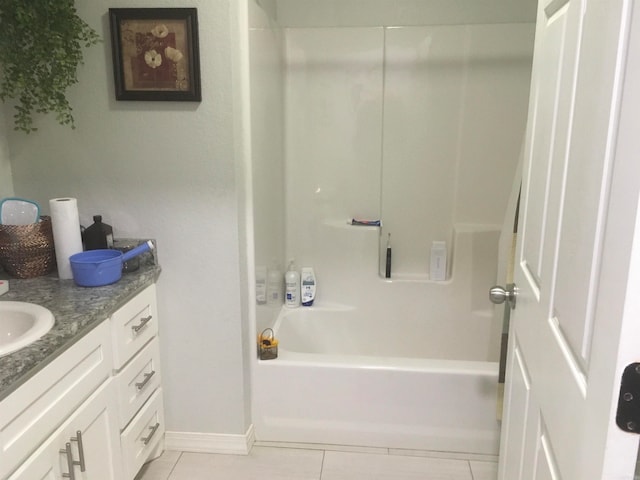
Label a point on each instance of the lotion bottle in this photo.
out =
(292, 286)
(307, 286)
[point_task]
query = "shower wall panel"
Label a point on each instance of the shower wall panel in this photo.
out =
(455, 111)
(370, 13)
(424, 81)
(333, 133)
(267, 142)
(417, 126)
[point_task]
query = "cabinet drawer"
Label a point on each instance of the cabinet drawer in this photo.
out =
(137, 381)
(143, 435)
(134, 325)
(38, 407)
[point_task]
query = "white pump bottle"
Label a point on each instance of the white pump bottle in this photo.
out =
(292, 286)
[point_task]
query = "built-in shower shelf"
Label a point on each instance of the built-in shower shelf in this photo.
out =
(343, 224)
(414, 278)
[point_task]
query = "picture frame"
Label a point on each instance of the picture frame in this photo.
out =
(155, 54)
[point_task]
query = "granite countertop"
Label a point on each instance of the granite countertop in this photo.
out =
(77, 310)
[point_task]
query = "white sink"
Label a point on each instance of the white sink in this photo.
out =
(22, 323)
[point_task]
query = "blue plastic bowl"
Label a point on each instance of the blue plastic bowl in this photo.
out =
(95, 268)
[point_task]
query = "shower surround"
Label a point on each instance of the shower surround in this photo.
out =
(419, 126)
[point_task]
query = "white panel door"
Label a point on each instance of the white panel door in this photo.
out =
(576, 324)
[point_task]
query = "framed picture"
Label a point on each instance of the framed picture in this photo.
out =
(155, 53)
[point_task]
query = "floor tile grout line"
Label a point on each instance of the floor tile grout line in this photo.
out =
(174, 466)
(470, 469)
(324, 454)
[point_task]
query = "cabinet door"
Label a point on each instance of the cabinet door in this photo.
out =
(40, 406)
(96, 420)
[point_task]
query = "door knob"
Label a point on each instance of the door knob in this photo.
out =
(498, 294)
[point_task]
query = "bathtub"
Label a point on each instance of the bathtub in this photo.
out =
(339, 381)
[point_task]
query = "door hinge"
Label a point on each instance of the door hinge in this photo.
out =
(628, 414)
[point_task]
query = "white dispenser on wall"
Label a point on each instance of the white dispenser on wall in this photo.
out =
(292, 286)
(274, 285)
(438, 267)
(307, 286)
(261, 284)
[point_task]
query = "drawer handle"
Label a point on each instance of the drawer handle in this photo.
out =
(70, 463)
(147, 377)
(78, 438)
(154, 429)
(140, 326)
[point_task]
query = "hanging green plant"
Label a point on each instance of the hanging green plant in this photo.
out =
(41, 44)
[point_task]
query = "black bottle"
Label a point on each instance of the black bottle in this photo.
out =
(98, 235)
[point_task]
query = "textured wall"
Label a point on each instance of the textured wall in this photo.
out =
(166, 170)
(6, 184)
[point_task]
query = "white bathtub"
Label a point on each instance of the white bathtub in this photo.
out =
(338, 381)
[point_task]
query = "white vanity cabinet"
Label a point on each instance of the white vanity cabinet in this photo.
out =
(85, 447)
(36, 412)
(138, 381)
(95, 412)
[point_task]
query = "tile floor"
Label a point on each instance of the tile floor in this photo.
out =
(273, 463)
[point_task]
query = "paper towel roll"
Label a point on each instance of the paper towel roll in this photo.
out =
(66, 232)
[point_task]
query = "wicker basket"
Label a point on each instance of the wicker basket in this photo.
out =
(267, 345)
(27, 251)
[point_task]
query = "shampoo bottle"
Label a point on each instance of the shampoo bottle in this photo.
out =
(292, 287)
(307, 286)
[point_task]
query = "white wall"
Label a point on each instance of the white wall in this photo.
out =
(171, 171)
(6, 182)
(267, 136)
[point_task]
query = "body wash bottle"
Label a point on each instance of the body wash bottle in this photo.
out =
(307, 286)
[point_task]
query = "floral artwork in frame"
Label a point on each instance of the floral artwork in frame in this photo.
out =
(155, 53)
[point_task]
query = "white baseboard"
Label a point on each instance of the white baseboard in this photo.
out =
(210, 442)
